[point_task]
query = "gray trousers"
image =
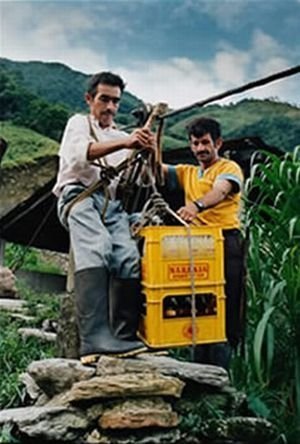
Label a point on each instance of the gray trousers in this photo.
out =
(96, 242)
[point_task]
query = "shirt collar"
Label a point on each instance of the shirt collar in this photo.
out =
(96, 123)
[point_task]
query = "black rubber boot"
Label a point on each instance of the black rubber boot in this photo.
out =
(91, 293)
(125, 304)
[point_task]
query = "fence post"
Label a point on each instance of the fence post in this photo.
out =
(67, 335)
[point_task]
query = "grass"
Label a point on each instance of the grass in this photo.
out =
(16, 353)
(29, 258)
(25, 145)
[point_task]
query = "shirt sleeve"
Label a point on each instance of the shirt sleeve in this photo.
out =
(233, 173)
(175, 177)
(76, 140)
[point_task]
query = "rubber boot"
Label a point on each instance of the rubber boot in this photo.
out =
(91, 294)
(125, 304)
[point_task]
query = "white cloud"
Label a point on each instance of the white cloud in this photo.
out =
(182, 81)
(32, 34)
(230, 67)
(263, 45)
(177, 81)
(225, 12)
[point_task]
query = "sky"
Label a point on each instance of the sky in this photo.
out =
(175, 51)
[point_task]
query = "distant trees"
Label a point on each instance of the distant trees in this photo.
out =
(41, 96)
(56, 83)
(13, 97)
(23, 108)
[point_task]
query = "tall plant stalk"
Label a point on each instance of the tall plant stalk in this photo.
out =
(271, 372)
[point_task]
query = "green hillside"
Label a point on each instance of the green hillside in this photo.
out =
(57, 83)
(278, 124)
(25, 145)
(41, 96)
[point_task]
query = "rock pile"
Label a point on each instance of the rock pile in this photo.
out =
(146, 399)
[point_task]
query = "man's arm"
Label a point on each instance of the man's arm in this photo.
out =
(141, 138)
(219, 192)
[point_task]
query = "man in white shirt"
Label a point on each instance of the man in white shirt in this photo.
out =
(106, 257)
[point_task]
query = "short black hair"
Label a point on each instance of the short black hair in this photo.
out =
(104, 78)
(204, 125)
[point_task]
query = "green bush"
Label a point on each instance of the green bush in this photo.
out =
(19, 256)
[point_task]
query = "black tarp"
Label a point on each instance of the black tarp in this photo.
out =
(34, 222)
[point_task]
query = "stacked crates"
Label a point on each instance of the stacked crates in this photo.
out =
(171, 274)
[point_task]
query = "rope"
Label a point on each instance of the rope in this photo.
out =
(153, 211)
(106, 175)
(20, 260)
(277, 76)
(193, 291)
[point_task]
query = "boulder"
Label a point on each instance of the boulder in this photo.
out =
(29, 332)
(7, 283)
(209, 375)
(13, 305)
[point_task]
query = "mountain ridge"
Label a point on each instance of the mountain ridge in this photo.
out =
(54, 91)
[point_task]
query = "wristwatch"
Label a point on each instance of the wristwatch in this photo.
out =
(199, 204)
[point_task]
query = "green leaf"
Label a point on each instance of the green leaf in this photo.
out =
(258, 342)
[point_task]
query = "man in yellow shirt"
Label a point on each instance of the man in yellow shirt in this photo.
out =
(213, 196)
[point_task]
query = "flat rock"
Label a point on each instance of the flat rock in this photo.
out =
(56, 424)
(139, 413)
(120, 386)
(45, 336)
(56, 375)
(108, 366)
(210, 375)
(13, 305)
(22, 317)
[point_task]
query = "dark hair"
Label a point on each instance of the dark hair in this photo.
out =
(104, 78)
(204, 125)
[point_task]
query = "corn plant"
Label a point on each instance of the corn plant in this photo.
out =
(271, 371)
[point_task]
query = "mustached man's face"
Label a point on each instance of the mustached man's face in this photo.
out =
(205, 149)
(104, 105)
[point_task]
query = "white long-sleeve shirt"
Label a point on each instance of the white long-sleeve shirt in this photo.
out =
(74, 165)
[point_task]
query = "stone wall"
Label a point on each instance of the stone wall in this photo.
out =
(146, 399)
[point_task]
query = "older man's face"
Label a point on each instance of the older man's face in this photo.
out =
(104, 105)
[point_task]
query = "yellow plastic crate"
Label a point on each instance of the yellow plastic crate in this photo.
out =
(166, 256)
(163, 326)
(166, 320)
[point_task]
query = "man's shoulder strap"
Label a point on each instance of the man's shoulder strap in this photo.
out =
(101, 161)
